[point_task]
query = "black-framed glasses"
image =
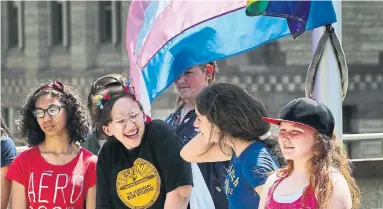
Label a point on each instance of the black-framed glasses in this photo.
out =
(52, 111)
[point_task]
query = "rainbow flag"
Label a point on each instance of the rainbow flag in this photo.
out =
(295, 12)
(164, 38)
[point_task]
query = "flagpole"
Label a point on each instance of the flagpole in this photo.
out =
(327, 84)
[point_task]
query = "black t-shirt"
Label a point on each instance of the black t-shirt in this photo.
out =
(142, 177)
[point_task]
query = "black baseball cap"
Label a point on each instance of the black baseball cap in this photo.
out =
(307, 112)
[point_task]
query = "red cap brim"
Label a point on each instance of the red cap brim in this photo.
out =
(278, 122)
(272, 120)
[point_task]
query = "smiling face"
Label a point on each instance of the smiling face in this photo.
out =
(207, 130)
(127, 123)
(191, 82)
(53, 124)
(296, 141)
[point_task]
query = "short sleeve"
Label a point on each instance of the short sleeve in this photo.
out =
(257, 168)
(8, 151)
(91, 173)
(167, 147)
(16, 171)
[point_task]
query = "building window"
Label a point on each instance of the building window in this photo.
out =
(59, 31)
(349, 114)
(14, 12)
(109, 22)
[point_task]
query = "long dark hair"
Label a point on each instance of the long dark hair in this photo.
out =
(236, 113)
(77, 115)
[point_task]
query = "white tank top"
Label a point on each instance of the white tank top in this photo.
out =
(288, 198)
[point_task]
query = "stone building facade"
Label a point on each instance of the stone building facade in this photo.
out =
(79, 41)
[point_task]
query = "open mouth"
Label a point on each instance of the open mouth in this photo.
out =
(131, 135)
(48, 127)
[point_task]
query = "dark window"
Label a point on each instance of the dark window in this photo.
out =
(109, 21)
(13, 24)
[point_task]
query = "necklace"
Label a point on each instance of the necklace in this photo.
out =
(73, 152)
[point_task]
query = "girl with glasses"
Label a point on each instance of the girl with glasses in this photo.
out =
(55, 172)
(139, 166)
(96, 138)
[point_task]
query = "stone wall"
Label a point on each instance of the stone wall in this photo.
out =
(274, 72)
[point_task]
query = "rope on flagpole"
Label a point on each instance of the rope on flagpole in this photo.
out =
(337, 47)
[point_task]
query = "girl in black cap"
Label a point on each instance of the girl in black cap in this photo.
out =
(317, 175)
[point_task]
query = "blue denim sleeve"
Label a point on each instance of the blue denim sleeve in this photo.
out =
(8, 151)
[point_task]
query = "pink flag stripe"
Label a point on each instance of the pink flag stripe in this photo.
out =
(178, 17)
(134, 24)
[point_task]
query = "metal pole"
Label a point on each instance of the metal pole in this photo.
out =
(327, 84)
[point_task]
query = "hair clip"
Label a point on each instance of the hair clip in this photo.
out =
(129, 86)
(126, 89)
(58, 85)
(98, 100)
(265, 136)
(106, 96)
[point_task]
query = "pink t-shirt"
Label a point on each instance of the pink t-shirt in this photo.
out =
(50, 186)
(310, 201)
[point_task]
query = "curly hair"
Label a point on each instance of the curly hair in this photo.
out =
(4, 128)
(102, 117)
(77, 115)
(236, 113)
(328, 154)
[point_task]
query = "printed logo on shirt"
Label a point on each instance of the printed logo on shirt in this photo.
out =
(231, 179)
(67, 190)
(139, 186)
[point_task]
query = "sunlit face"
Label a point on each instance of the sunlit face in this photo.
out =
(53, 121)
(296, 141)
(209, 131)
(128, 123)
(191, 83)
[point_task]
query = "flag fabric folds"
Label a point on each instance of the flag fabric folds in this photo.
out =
(296, 13)
(164, 38)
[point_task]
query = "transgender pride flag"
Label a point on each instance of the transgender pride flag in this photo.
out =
(164, 38)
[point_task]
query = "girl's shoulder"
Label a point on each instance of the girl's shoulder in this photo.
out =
(341, 196)
(158, 129)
